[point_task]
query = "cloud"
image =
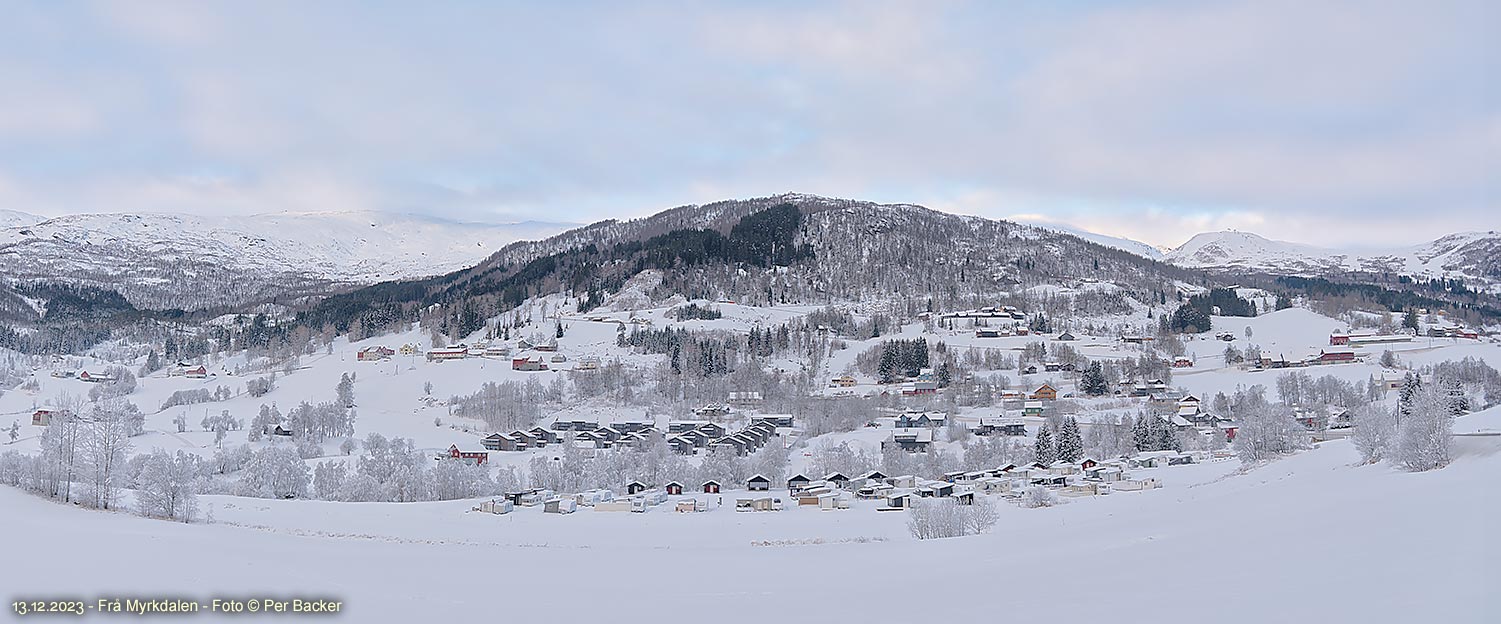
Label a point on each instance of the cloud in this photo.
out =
(1151, 120)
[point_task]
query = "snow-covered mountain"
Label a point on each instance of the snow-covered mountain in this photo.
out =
(1472, 256)
(1116, 242)
(12, 218)
(163, 261)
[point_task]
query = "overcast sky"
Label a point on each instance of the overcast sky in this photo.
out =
(1322, 122)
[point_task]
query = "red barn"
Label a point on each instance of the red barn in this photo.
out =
(711, 487)
(477, 458)
(1335, 356)
(1339, 338)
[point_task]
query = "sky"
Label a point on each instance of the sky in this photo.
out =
(1334, 123)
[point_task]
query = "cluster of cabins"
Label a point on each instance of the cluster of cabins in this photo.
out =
(833, 491)
(989, 312)
(686, 437)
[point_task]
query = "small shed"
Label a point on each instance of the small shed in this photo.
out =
(758, 483)
(797, 482)
(635, 487)
(711, 487)
(674, 488)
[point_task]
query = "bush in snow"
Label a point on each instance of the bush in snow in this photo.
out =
(945, 517)
(262, 386)
(1038, 496)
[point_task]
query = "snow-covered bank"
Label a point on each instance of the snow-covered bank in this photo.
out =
(1307, 538)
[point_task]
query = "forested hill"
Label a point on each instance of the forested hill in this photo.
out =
(787, 248)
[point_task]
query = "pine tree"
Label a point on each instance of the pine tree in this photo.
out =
(1070, 442)
(1141, 434)
(345, 391)
(1093, 381)
(1043, 450)
(1410, 320)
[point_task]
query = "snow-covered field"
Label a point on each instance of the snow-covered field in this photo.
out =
(1311, 537)
(1308, 538)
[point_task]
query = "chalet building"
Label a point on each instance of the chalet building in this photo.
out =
(1051, 367)
(680, 445)
(1067, 336)
(1339, 338)
(744, 398)
(710, 487)
(94, 377)
(1182, 361)
(373, 354)
(635, 487)
(988, 333)
(775, 420)
(920, 420)
(758, 483)
(281, 431)
(842, 381)
(1032, 408)
(43, 417)
(837, 480)
(632, 426)
(477, 458)
(910, 440)
(674, 488)
(501, 442)
(1006, 427)
(1029, 370)
(448, 353)
(1045, 392)
(713, 410)
(528, 363)
(797, 482)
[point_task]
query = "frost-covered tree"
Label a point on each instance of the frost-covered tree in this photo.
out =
(1043, 450)
(1267, 431)
(165, 486)
(1070, 442)
(345, 391)
(14, 431)
(104, 445)
(1423, 432)
(275, 472)
(1375, 431)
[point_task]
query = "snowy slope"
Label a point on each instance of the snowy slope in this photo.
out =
(1115, 242)
(1473, 255)
(152, 258)
(1309, 538)
(12, 218)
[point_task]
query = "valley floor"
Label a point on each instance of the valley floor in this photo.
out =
(1310, 538)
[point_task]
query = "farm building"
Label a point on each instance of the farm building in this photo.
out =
(528, 363)
(43, 417)
(842, 381)
(448, 353)
(373, 354)
(477, 458)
